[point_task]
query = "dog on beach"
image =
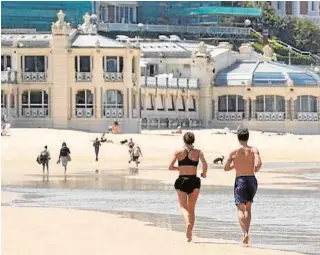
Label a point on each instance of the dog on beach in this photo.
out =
(123, 142)
(220, 159)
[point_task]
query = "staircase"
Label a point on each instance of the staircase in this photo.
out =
(315, 57)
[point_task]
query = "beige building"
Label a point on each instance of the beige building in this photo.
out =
(77, 79)
(73, 79)
(306, 9)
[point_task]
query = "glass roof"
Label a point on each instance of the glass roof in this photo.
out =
(264, 74)
(303, 79)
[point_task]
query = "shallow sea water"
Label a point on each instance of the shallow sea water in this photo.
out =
(282, 219)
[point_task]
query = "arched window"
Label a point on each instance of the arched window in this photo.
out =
(84, 103)
(113, 99)
(306, 104)
(113, 104)
(34, 103)
(270, 103)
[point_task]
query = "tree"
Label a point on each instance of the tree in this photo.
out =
(307, 35)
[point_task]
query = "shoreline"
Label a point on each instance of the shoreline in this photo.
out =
(109, 225)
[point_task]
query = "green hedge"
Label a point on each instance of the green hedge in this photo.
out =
(282, 52)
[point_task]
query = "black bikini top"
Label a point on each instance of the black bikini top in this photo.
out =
(187, 161)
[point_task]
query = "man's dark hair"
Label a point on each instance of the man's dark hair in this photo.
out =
(243, 135)
(46, 147)
(188, 138)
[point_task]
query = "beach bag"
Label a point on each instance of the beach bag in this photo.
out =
(38, 160)
(69, 158)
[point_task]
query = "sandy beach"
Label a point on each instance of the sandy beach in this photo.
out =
(63, 231)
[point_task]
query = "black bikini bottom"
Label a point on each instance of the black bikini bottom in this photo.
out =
(187, 183)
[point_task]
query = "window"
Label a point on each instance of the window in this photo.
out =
(84, 99)
(3, 99)
(34, 64)
(278, 5)
(134, 101)
(126, 14)
(82, 64)
(306, 104)
(35, 99)
(312, 6)
(260, 104)
(5, 63)
(113, 99)
(131, 15)
(113, 64)
(222, 104)
(133, 65)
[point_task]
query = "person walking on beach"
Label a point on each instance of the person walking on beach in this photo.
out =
(44, 158)
(246, 161)
(96, 146)
(64, 156)
(130, 145)
(188, 184)
(136, 154)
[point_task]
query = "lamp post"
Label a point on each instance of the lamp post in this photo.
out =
(140, 26)
(289, 48)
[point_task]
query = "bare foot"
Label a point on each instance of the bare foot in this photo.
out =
(189, 233)
(245, 240)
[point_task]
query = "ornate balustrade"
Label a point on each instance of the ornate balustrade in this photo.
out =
(83, 77)
(230, 116)
(34, 112)
(165, 82)
(307, 116)
(34, 77)
(8, 76)
(270, 116)
(12, 111)
(113, 77)
(114, 113)
(84, 112)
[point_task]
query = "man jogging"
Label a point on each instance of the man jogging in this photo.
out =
(246, 161)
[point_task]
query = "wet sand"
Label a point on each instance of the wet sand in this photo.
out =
(83, 232)
(60, 231)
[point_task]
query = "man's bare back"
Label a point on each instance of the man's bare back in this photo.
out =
(246, 161)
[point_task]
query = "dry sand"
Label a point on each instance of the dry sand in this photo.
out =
(60, 231)
(19, 152)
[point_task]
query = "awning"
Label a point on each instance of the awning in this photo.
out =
(169, 102)
(159, 102)
(180, 103)
(149, 103)
(142, 102)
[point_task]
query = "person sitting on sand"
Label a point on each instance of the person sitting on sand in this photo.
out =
(179, 130)
(116, 128)
(64, 156)
(246, 161)
(103, 139)
(188, 184)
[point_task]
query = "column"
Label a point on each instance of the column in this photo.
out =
(130, 103)
(134, 14)
(318, 102)
(288, 109)
(247, 108)
(216, 107)
(73, 103)
(253, 109)
(187, 102)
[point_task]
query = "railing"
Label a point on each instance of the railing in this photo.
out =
(110, 112)
(307, 116)
(306, 53)
(9, 76)
(174, 29)
(34, 112)
(113, 77)
(83, 77)
(12, 111)
(155, 122)
(270, 116)
(169, 114)
(84, 112)
(165, 82)
(230, 116)
(34, 77)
